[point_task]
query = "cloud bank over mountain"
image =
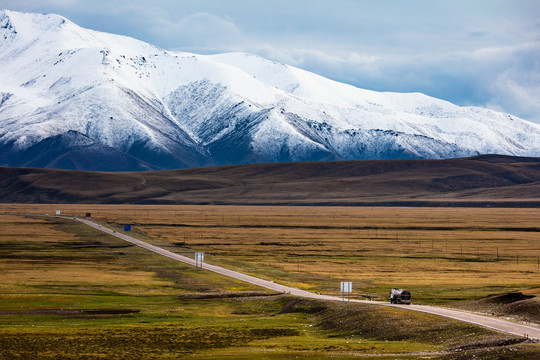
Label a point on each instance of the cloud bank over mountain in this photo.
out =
(483, 53)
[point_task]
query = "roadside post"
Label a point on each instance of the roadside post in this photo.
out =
(346, 287)
(199, 258)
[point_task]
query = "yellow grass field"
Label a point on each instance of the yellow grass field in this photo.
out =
(440, 254)
(69, 291)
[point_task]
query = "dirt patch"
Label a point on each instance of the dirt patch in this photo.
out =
(495, 350)
(490, 344)
(515, 305)
(509, 298)
(276, 243)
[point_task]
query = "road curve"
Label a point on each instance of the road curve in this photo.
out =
(484, 321)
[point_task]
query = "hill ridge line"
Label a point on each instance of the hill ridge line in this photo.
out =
(486, 181)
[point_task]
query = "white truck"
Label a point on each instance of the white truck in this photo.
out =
(400, 296)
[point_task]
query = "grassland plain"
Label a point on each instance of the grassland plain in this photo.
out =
(443, 254)
(70, 292)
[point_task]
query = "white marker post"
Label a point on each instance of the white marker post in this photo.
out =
(346, 287)
(199, 258)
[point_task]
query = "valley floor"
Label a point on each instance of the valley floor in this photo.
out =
(71, 292)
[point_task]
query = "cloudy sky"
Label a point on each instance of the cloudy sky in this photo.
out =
(469, 52)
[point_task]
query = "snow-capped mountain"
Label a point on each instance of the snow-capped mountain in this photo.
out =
(81, 99)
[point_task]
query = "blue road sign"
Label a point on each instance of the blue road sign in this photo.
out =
(127, 227)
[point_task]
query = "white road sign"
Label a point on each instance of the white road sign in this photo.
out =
(346, 286)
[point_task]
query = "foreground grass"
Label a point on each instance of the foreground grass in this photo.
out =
(70, 292)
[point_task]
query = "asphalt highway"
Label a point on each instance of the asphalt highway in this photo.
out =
(480, 320)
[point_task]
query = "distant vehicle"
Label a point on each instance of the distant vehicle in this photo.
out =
(400, 296)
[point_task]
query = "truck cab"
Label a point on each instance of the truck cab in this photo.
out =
(400, 296)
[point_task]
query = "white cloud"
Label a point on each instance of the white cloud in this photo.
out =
(200, 30)
(516, 97)
(504, 78)
(517, 91)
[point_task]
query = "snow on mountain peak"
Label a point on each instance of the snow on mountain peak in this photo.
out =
(170, 109)
(26, 25)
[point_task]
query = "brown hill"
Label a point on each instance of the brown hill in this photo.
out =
(480, 181)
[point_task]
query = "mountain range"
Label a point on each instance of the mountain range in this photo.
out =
(73, 98)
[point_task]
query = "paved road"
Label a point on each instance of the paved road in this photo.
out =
(485, 321)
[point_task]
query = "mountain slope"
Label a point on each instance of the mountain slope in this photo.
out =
(148, 108)
(479, 181)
